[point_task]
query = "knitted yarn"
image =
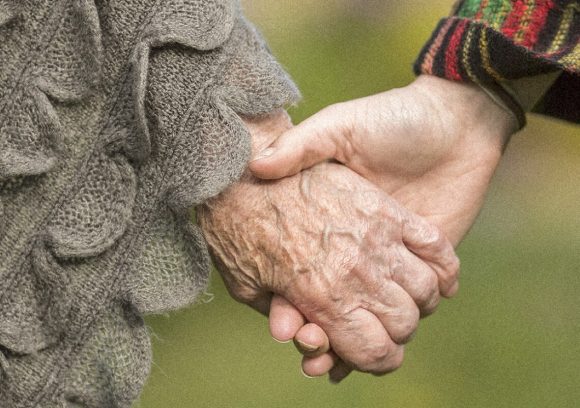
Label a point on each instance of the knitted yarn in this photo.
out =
(116, 118)
(488, 41)
(494, 40)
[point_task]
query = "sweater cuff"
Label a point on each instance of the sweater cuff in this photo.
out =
(462, 49)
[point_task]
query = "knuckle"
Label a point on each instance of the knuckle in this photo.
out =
(373, 359)
(407, 328)
(449, 260)
(429, 291)
(429, 307)
(394, 362)
(450, 270)
(454, 266)
(431, 235)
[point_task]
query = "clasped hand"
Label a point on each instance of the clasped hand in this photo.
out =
(339, 265)
(348, 257)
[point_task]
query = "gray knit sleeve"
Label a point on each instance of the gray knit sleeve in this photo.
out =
(116, 118)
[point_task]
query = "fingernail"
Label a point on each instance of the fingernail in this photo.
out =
(306, 347)
(280, 341)
(265, 153)
(304, 374)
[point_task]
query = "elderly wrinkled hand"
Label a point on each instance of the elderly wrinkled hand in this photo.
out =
(348, 257)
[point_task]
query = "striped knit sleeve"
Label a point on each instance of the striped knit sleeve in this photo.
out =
(488, 41)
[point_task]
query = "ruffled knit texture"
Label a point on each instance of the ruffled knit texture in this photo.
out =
(116, 118)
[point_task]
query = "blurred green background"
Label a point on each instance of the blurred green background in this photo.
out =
(511, 338)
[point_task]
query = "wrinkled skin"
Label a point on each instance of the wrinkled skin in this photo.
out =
(433, 146)
(347, 256)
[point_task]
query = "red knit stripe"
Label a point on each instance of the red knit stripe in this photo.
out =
(427, 64)
(538, 21)
(451, 55)
(513, 20)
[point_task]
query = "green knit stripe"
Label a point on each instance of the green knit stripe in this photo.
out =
(493, 12)
(496, 12)
(469, 8)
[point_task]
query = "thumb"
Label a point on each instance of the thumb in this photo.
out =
(317, 139)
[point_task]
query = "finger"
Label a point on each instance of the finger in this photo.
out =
(285, 319)
(429, 244)
(419, 280)
(317, 139)
(399, 314)
(311, 340)
(339, 372)
(360, 339)
(319, 365)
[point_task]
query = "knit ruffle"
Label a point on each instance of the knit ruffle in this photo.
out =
(169, 267)
(29, 138)
(30, 145)
(30, 130)
(155, 259)
(97, 215)
(106, 369)
(199, 25)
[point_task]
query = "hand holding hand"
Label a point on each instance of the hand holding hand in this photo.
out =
(433, 145)
(347, 256)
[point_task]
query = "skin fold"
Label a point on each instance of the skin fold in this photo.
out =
(347, 256)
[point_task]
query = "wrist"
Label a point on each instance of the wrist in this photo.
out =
(467, 108)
